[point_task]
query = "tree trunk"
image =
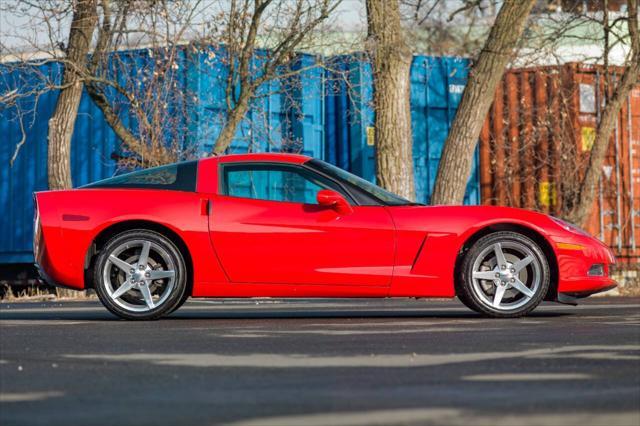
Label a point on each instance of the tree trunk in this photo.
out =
(150, 156)
(457, 156)
(64, 115)
(391, 61)
(580, 213)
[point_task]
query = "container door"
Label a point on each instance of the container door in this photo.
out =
(267, 228)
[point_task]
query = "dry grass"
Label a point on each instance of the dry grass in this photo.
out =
(32, 292)
(27, 293)
(66, 293)
(630, 289)
(628, 278)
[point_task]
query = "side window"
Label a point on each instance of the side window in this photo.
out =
(177, 177)
(165, 175)
(274, 183)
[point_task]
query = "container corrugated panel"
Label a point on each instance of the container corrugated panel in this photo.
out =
(437, 84)
(287, 114)
(535, 148)
(337, 114)
(93, 150)
(92, 146)
(349, 115)
(633, 137)
(291, 121)
(307, 109)
(615, 220)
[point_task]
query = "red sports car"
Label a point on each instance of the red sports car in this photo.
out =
(284, 225)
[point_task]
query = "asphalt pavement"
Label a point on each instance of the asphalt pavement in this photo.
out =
(321, 362)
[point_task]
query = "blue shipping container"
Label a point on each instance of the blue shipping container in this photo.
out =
(436, 89)
(292, 121)
(92, 146)
(321, 113)
(286, 115)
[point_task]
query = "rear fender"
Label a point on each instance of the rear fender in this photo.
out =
(82, 215)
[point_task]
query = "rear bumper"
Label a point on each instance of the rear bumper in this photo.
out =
(53, 265)
(44, 278)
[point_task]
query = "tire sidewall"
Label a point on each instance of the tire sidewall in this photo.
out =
(177, 294)
(468, 295)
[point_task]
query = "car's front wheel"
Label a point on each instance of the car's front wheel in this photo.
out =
(504, 275)
(140, 275)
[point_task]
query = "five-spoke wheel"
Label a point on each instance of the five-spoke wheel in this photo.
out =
(140, 275)
(504, 274)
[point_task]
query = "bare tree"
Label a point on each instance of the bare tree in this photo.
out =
(547, 117)
(64, 116)
(284, 27)
(391, 60)
(146, 82)
(457, 156)
(444, 27)
(142, 61)
(581, 211)
(131, 71)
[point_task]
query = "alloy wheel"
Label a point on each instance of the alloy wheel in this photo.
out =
(506, 275)
(139, 275)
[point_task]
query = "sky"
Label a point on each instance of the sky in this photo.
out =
(17, 26)
(18, 32)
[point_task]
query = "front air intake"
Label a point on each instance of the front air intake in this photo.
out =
(596, 270)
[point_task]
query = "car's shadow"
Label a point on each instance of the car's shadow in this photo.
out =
(95, 312)
(346, 314)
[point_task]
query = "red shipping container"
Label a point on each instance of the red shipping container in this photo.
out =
(535, 145)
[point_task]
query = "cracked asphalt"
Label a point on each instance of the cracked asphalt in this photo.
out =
(321, 362)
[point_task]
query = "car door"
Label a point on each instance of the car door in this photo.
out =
(267, 227)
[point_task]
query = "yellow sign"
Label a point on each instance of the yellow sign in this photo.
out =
(371, 136)
(547, 194)
(588, 137)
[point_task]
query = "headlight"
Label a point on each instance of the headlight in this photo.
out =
(570, 227)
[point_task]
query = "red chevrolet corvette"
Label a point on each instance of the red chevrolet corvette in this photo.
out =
(284, 225)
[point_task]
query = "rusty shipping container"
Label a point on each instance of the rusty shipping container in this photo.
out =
(536, 141)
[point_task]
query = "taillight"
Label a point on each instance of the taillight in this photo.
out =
(37, 231)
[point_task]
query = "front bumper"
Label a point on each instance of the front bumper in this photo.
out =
(575, 258)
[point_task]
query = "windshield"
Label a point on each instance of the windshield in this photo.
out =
(385, 196)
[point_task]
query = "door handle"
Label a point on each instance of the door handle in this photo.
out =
(204, 207)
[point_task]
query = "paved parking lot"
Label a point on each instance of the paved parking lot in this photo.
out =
(344, 362)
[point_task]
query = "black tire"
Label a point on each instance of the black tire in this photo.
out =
(476, 294)
(181, 302)
(167, 252)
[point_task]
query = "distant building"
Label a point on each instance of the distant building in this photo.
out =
(584, 6)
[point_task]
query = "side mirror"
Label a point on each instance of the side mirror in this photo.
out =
(331, 199)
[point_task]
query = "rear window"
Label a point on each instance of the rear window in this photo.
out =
(176, 177)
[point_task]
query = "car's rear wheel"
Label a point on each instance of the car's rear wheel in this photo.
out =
(504, 274)
(140, 275)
